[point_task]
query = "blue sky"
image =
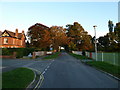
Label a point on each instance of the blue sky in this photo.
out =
(22, 15)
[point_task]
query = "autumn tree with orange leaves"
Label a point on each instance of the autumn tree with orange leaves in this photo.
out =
(79, 38)
(39, 36)
(74, 37)
(58, 35)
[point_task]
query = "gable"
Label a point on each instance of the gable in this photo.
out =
(5, 34)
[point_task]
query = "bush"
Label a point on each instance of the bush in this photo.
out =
(23, 52)
(5, 51)
(20, 51)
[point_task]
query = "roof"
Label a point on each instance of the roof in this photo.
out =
(12, 34)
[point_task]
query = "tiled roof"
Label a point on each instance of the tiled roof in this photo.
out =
(12, 34)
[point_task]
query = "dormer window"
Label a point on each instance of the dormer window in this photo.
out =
(5, 40)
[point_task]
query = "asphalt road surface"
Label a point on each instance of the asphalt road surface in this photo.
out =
(37, 64)
(64, 72)
(68, 72)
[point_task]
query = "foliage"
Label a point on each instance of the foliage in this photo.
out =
(117, 34)
(111, 41)
(20, 51)
(114, 70)
(27, 44)
(5, 51)
(58, 36)
(72, 46)
(79, 37)
(110, 26)
(17, 78)
(39, 36)
(45, 40)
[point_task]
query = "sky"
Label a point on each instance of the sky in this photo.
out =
(22, 15)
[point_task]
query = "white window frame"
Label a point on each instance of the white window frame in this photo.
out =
(5, 40)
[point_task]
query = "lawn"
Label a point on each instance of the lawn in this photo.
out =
(17, 78)
(79, 56)
(112, 69)
(53, 56)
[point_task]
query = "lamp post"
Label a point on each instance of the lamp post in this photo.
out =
(95, 42)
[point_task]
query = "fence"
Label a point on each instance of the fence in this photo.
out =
(77, 52)
(112, 58)
(41, 53)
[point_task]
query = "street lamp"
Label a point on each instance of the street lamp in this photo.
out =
(95, 42)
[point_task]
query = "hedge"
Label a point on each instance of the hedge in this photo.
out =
(20, 51)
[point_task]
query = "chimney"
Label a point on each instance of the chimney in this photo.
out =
(22, 34)
(22, 31)
(16, 33)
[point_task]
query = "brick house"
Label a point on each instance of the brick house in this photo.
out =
(10, 39)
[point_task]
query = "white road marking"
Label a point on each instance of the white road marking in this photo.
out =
(43, 72)
(48, 66)
(46, 69)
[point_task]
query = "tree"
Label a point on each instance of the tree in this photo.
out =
(58, 36)
(79, 36)
(39, 36)
(111, 41)
(117, 34)
(110, 26)
(103, 43)
(72, 46)
(117, 31)
(45, 40)
(27, 44)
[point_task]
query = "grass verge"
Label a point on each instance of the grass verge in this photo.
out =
(104, 66)
(112, 69)
(79, 56)
(52, 56)
(17, 78)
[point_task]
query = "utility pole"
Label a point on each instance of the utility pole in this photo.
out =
(95, 42)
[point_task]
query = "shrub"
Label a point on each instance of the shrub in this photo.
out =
(5, 51)
(20, 51)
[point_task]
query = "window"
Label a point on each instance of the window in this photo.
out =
(5, 40)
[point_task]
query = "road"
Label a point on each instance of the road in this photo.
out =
(10, 64)
(68, 72)
(64, 72)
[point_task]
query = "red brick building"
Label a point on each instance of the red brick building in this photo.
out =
(10, 39)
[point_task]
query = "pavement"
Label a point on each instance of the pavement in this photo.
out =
(64, 72)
